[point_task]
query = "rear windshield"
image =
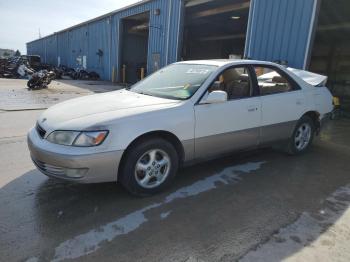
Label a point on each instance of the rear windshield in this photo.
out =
(178, 81)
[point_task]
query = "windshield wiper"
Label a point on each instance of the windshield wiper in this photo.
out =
(143, 93)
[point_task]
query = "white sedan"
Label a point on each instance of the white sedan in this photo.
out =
(185, 112)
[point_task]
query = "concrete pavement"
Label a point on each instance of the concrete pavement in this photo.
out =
(261, 205)
(14, 95)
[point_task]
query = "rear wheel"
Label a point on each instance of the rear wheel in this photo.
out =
(149, 167)
(302, 137)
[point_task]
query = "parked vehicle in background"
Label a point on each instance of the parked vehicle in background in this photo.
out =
(186, 112)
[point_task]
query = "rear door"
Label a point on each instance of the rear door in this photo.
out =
(282, 103)
(231, 125)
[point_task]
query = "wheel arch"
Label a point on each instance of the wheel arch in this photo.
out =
(166, 135)
(315, 116)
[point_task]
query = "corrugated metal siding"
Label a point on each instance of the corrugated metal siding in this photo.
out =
(99, 38)
(174, 31)
(106, 33)
(78, 45)
(36, 48)
(163, 34)
(51, 50)
(279, 30)
(63, 48)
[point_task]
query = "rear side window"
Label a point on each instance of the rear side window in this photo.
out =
(272, 82)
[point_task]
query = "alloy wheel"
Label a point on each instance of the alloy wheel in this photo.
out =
(303, 136)
(152, 168)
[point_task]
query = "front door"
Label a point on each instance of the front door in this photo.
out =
(230, 125)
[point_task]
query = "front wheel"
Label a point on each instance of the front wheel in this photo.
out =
(302, 137)
(149, 167)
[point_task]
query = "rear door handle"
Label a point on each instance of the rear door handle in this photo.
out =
(252, 108)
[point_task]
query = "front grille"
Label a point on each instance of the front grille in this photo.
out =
(49, 169)
(41, 131)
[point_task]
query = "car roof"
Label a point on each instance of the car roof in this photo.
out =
(223, 62)
(297, 74)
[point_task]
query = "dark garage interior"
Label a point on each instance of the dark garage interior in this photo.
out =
(331, 51)
(215, 29)
(135, 34)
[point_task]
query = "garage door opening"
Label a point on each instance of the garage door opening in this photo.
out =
(215, 29)
(331, 51)
(135, 34)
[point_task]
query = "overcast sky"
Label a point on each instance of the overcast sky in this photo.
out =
(20, 20)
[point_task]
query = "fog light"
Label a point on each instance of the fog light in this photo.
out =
(76, 173)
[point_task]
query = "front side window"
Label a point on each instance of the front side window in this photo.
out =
(178, 81)
(271, 82)
(236, 82)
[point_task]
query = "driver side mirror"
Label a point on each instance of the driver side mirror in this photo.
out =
(215, 97)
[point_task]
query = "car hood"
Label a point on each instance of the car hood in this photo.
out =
(117, 104)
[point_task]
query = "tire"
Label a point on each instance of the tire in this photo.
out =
(142, 176)
(31, 84)
(84, 75)
(336, 114)
(302, 137)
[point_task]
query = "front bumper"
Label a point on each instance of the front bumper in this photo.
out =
(67, 163)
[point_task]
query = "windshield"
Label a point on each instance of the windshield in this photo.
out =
(179, 81)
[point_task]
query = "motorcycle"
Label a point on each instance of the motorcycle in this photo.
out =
(40, 80)
(80, 74)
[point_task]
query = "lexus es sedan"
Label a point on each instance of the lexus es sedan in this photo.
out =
(186, 112)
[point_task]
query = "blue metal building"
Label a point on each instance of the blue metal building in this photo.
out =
(273, 30)
(104, 34)
(281, 30)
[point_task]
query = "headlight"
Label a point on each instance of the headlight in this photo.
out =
(65, 138)
(90, 138)
(79, 139)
